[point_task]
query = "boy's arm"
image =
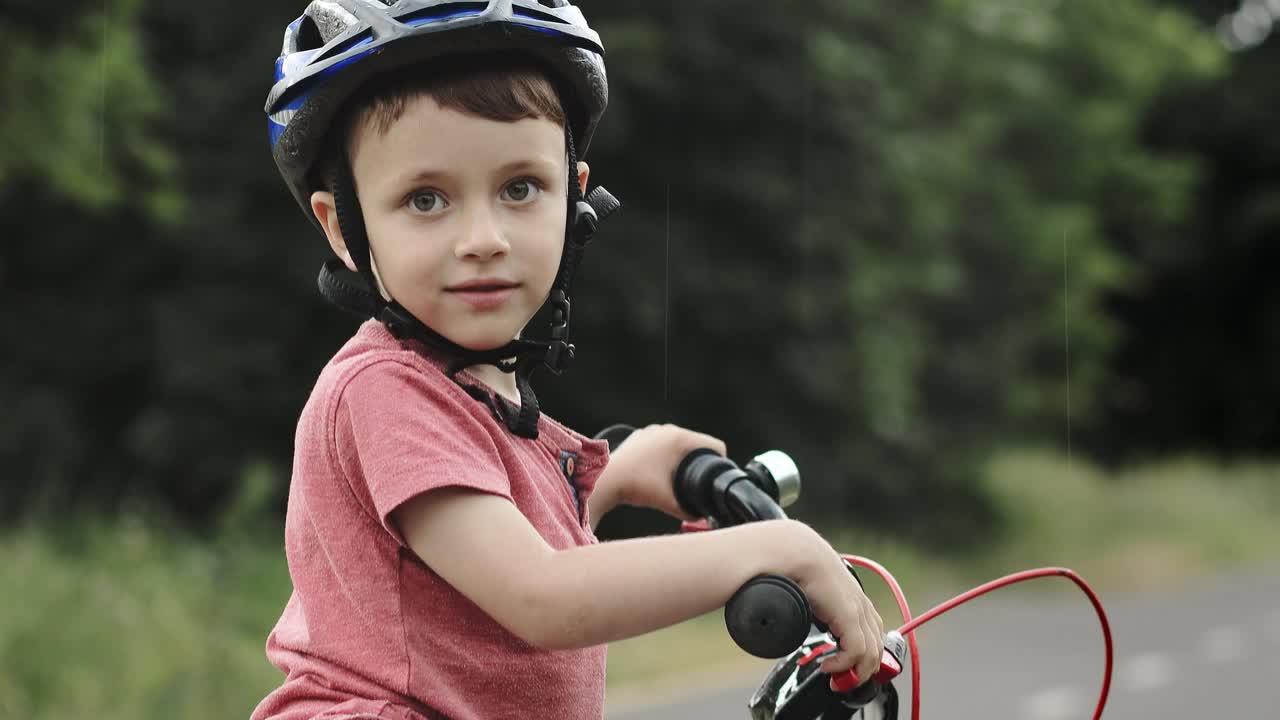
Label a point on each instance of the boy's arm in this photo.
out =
(485, 548)
(604, 497)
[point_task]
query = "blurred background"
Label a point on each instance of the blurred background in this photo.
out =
(996, 273)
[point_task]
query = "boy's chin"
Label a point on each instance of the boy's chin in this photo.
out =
(480, 334)
(482, 343)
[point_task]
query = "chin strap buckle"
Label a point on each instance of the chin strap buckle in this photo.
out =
(560, 351)
(397, 320)
(585, 222)
(400, 326)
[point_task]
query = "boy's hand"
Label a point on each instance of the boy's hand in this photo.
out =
(643, 467)
(839, 602)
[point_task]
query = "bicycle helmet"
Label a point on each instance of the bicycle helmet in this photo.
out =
(336, 46)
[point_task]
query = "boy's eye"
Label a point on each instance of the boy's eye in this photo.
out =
(522, 189)
(425, 201)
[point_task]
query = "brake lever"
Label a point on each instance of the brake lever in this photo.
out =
(890, 668)
(848, 682)
(895, 647)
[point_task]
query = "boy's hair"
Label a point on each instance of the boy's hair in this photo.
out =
(502, 88)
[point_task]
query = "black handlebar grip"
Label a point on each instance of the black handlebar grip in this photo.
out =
(693, 484)
(769, 616)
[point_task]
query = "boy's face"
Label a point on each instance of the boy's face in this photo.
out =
(465, 217)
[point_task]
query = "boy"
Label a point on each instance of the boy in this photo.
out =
(439, 529)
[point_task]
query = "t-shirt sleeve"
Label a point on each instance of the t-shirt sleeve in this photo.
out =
(400, 433)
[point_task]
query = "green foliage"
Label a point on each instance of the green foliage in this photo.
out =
(146, 360)
(864, 234)
(81, 111)
(887, 228)
(1195, 369)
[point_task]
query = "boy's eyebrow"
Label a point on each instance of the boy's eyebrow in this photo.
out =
(537, 163)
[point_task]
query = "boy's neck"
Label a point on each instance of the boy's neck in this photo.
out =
(503, 383)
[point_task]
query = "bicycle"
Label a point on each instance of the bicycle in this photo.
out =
(770, 617)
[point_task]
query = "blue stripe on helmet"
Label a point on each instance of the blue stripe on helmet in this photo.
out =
(340, 65)
(543, 30)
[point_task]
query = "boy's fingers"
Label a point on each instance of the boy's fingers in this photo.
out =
(840, 660)
(875, 645)
(866, 659)
(704, 440)
(837, 663)
(853, 646)
(875, 628)
(874, 625)
(865, 671)
(877, 622)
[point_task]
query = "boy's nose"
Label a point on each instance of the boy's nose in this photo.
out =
(482, 237)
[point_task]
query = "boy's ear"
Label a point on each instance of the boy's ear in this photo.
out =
(326, 211)
(583, 171)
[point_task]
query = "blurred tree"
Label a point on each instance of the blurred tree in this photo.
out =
(886, 227)
(80, 109)
(83, 175)
(862, 234)
(1195, 369)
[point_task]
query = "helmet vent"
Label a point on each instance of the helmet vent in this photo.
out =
(309, 35)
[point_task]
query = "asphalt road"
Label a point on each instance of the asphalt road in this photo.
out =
(1205, 651)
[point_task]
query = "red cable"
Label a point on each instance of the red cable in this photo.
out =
(908, 629)
(903, 608)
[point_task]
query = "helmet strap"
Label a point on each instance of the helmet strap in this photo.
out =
(351, 223)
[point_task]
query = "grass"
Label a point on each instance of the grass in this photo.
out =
(1143, 528)
(133, 620)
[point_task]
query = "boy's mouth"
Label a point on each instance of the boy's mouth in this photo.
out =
(483, 293)
(483, 285)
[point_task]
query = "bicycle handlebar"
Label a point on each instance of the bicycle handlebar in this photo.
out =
(770, 616)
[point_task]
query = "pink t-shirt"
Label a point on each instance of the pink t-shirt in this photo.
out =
(370, 631)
